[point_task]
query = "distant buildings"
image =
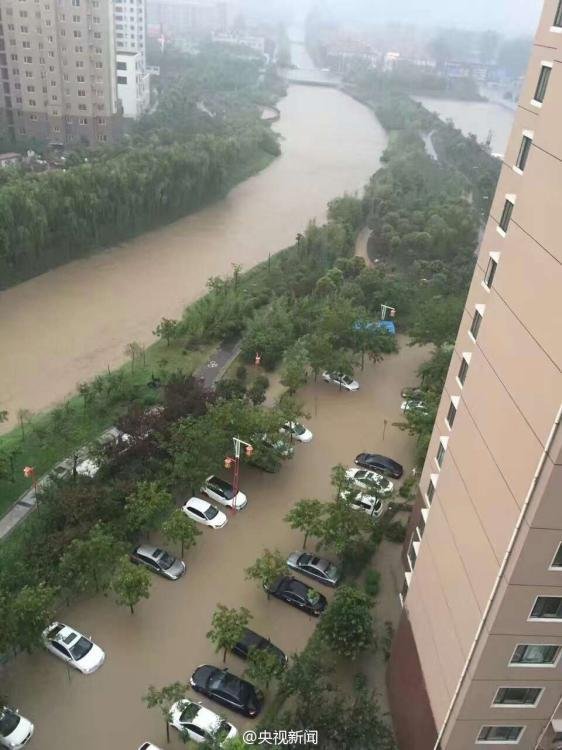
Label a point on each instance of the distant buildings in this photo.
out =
(133, 79)
(181, 18)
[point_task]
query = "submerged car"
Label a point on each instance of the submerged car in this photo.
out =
(148, 746)
(72, 647)
(413, 405)
(340, 378)
(200, 724)
(372, 506)
(15, 730)
(227, 689)
(376, 462)
(297, 594)
(159, 561)
(250, 640)
(203, 512)
(223, 492)
(297, 431)
(372, 481)
(319, 568)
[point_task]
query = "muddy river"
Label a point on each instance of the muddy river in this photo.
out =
(67, 325)
(165, 639)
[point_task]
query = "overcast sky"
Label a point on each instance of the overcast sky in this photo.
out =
(504, 16)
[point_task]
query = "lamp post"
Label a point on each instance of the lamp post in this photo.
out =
(229, 461)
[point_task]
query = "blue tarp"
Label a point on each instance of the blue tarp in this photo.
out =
(387, 325)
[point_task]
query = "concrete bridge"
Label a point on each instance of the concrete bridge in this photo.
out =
(312, 77)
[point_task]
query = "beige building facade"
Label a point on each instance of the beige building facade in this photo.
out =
(57, 65)
(477, 658)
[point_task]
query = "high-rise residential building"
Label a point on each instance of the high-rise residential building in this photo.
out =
(57, 65)
(477, 656)
(133, 80)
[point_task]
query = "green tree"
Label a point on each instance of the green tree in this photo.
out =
(321, 353)
(133, 351)
(24, 416)
(88, 564)
(227, 627)
(180, 529)
(343, 527)
(267, 568)
(347, 624)
(293, 371)
(147, 506)
(257, 389)
(131, 583)
(164, 699)
(263, 667)
(167, 329)
(307, 516)
(30, 611)
(196, 447)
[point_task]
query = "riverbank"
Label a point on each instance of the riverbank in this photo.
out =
(76, 320)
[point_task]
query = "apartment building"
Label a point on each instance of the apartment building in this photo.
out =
(133, 79)
(477, 656)
(57, 65)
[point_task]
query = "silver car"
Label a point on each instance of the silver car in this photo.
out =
(319, 568)
(159, 561)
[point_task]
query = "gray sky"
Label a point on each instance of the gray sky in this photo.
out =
(505, 16)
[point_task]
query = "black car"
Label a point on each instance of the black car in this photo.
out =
(298, 594)
(251, 640)
(227, 689)
(380, 463)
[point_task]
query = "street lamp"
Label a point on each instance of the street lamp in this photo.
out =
(229, 461)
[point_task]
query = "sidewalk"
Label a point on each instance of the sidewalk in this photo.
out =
(209, 373)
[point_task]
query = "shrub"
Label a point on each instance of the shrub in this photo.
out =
(372, 583)
(241, 373)
(356, 558)
(395, 532)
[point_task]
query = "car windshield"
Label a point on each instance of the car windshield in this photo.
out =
(346, 379)
(82, 647)
(331, 571)
(189, 712)
(224, 488)
(304, 559)
(298, 429)
(9, 721)
(211, 513)
(166, 561)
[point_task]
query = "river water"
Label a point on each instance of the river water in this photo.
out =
(480, 118)
(70, 323)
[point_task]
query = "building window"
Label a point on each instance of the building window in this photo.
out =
(557, 561)
(506, 214)
(430, 492)
(542, 84)
(517, 696)
(508, 735)
(81, 107)
(77, 34)
(412, 552)
(463, 370)
(524, 151)
(99, 65)
(535, 655)
(83, 121)
(451, 414)
(440, 454)
(476, 323)
(558, 16)
(490, 273)
(122, 79)
(81, 79)
(121, 66)
(547, 608)
(32, 103)
(26, 45)
(76, 19)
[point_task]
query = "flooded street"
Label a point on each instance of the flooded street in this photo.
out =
(479, 118)
(71, 323)
(165, 639)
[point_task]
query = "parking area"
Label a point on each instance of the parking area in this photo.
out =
(166, 637)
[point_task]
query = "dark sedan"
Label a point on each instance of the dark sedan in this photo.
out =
(298, 594)
(227, 689)
(380, 463)
(251, 640)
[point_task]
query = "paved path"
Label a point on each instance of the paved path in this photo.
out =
(361, 244)
(210, 373)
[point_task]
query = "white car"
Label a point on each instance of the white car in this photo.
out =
(372, 506)
(370, 480)
(339, 378)
(409, 405)
(15, 730)
(148, 746)
(205, 513)
(223, 492)
(298, 431)
(73, 648)
(199, 724)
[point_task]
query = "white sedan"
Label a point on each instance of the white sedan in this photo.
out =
(223, 492)
(372, 506)
(339, 378)
(370, 480)
(73, 648)
(15, 730)
(197, 723)
(297, 431)
(203, 512)
(409, 405)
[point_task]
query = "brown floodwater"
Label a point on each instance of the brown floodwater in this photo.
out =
(69, 324)
(165, 639)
